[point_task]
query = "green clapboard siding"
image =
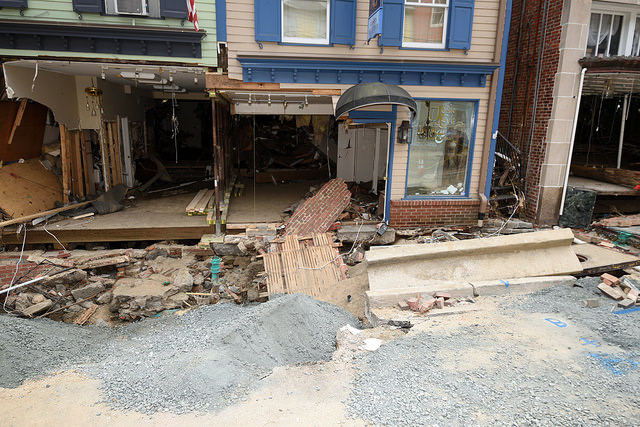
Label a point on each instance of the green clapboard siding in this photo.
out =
(61, 11)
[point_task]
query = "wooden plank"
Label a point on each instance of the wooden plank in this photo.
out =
(18, 119)
(194, 202)
(217, 81)
(124, 234)
(615, 176)
(104, 153)
(78, 175)
(66, 162)
(614, 293)
(86, 315)
(27, 218)
(115, 131)
(87, 161)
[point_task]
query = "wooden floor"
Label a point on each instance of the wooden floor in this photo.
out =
(152, 219)
(601, 187)
(269, 202)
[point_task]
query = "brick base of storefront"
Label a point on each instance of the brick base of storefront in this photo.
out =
(433, 213)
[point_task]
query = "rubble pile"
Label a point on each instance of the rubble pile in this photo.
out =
(425, 302)
(129, 284)
(624, 290)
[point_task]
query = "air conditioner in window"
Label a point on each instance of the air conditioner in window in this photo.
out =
(131, 7)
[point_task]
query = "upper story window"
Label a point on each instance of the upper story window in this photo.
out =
(148, 8)
(425, 23)
(613, 30)
(305, 21)
(321, 22)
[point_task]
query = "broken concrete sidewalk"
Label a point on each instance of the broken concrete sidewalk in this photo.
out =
(470, 267)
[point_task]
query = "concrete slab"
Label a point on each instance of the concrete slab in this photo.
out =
(391, 297)
(526, 284)
(596, 259)
(544, 253)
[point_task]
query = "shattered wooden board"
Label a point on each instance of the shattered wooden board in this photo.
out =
(317, 213)
(28, 188)
(302, 266)
(621, 221)
(596, 259)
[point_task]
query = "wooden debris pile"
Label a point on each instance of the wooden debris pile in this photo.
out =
(622, 290)
(302, 264)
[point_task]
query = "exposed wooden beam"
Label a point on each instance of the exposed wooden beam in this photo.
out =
(332, 92)
(18, 119)
(27, 218)
(217, 81)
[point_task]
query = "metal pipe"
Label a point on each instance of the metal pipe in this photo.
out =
(37, 279)
(573, 137)
(622, 126)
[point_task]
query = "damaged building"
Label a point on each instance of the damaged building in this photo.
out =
(568, 134)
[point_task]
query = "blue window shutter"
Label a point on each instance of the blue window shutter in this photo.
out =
(174, 8)
(343, 22)
(221, 20)
(392, 23)
(22, 4)
(92, 6)
(267, 17)
(460, 24)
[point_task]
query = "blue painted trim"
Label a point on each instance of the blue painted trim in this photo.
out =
(472, 144)
(392, 143)
(221, 20)
(371, 115)
(265, 70)
(496, 108)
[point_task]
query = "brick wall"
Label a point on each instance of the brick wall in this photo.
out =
(8, 268)
(414, 213)
(518, 92)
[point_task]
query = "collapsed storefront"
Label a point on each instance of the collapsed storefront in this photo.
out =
(605, 153)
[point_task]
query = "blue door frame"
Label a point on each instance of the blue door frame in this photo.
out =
(382, 117)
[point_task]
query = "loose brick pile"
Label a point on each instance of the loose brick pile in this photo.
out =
(319, 212)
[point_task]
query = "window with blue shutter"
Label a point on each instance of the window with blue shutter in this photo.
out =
(461, 24)
(22, 4)
(91, 6)
(173, 9)
(343, 22)
(392, 16)
(267, 20)
(456, 22)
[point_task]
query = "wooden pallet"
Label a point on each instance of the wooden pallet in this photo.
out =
(303, 265)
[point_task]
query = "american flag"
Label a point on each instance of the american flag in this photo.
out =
(193, 14)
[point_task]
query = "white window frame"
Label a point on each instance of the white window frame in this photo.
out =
(416, 3)
(304, 40)
(629, 14)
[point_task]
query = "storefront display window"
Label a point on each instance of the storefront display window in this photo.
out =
(440, 145)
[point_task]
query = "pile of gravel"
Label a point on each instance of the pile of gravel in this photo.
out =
(203, 360)
(475, 376)
(33, 348)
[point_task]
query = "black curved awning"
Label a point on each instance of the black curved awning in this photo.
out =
(375, 93)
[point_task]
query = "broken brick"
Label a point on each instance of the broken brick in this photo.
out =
(445, 295)
(626, 303)
(610, 279)
(440, 302)
(614, 293)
